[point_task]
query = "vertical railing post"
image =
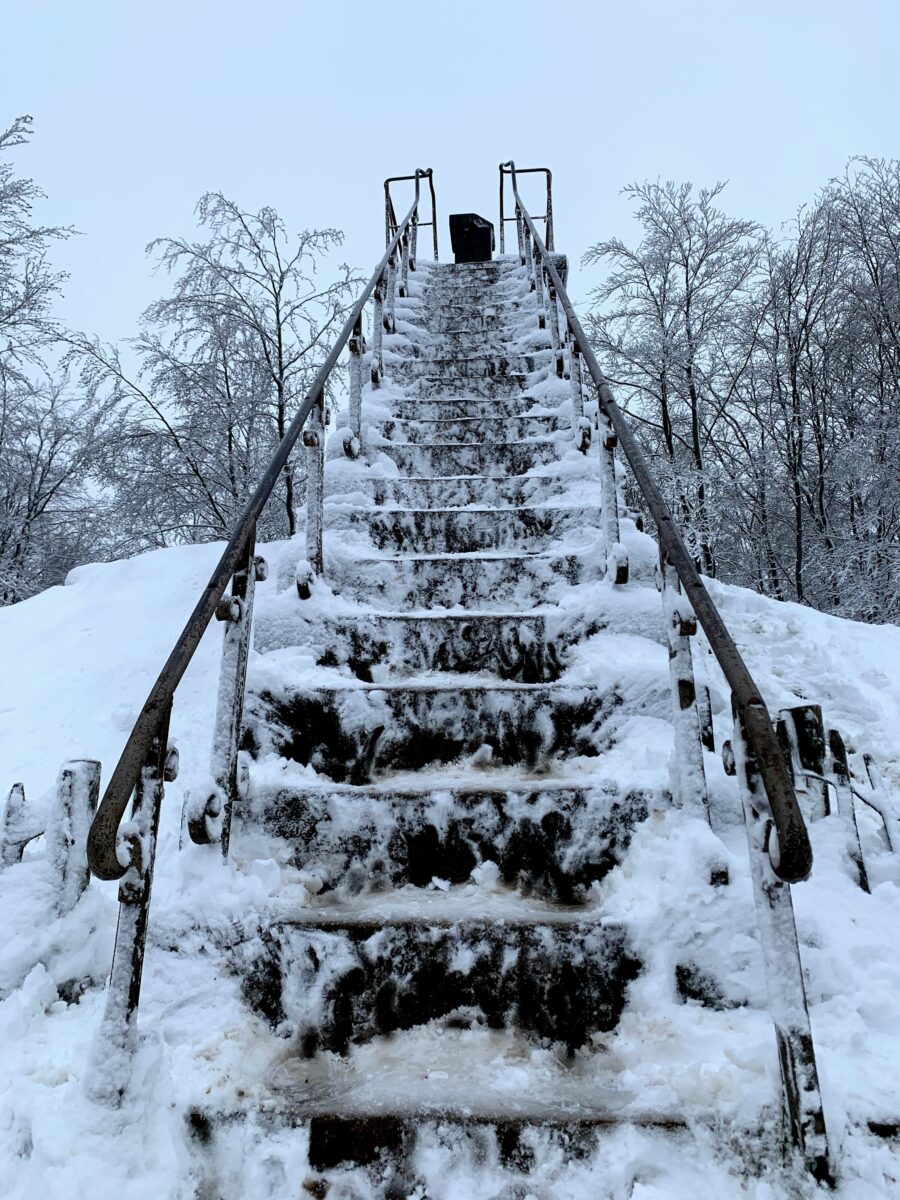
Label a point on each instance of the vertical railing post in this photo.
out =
(390, 299)
(804, 1119)
(520, 234)
(210, 820)
(680, 626)
(846, 810)
(314, 441)
(553, 312)
(539, 289)
(118, 1027)
(378, 330)
(70, 817)
(404, 264)
(529, 258)
(616, 558)
(357, 348)
(413, 240)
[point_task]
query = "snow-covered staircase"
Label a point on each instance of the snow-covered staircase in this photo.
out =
(454, 829)
(462, 777)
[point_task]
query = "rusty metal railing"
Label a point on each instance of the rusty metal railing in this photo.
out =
(390, 218)
(787, 842)
(144, 753)
(547, 218)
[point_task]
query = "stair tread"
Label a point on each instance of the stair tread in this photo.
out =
(470, 1075)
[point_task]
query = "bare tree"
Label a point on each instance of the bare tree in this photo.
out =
(223, 363)
(28, 284)
(664, 321)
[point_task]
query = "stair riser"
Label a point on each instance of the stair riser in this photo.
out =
(501, 458)
(474, 429)
(336, 730)
(476, 367)
(474, 408)
(455, 386)
(553, 844)
(513, 648)
(466, 532)
(341, 987)
(456, 493)
(495, 585)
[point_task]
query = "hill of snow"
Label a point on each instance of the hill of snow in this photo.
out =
(78, 662)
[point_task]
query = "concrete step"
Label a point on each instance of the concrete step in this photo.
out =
(493, 581)
(460, 368)
(352, 732)
(452, 491)
(491, 459)
(455, 530)
(477, 408)
(549, 839)
(435, 385)
(340, 979)
(474, 430)
(509, 645)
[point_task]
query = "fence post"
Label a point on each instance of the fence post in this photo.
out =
(18, 827)
(70, 817)
(539, 290)
(520, 233)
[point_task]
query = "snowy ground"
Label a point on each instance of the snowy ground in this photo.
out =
(79, 661)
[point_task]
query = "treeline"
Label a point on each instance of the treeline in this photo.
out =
(109, 450)
(762, 370)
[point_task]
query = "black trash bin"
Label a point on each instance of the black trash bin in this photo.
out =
(472, 238)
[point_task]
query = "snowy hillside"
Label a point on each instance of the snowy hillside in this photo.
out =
(78, 662)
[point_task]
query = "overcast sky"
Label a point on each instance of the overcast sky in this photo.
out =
(140, 107)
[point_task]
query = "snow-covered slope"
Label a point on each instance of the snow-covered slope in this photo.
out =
(469, 620)
(78, 661)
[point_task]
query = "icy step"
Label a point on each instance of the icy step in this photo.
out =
(339, 982)
(491, 458)
(474, 429)
(461, 491)
(433, 384)
(477, 409)
(454, 530)
(549, 839)
(509, 645)
(352, 731)
(488, 580)
(471, 366)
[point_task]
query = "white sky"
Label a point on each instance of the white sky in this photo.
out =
(141, 106)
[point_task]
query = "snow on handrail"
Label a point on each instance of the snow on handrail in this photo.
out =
(789, 849)
(104, 833)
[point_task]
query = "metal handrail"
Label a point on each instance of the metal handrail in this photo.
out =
(790, 852)
(547, 217)
(390, 218)
(101, 844)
